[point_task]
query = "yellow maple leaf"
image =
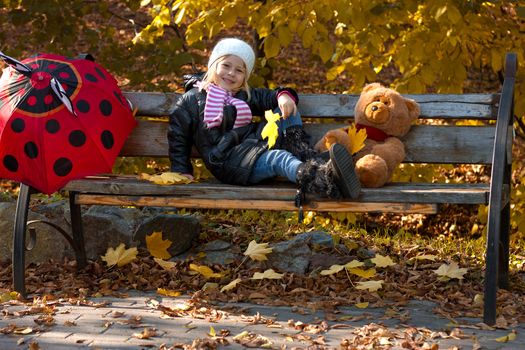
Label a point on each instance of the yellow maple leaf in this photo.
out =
(353, 264)
(166, 178)
(333, 269)
(168, 292)
(451, 271)
(382, 261)
(166, 265)
(206, 271)
(363, 273)
(357, 138)
(157, 246)
(371, 286)
(120, 256)
(231, 285)
(270, 274)
(257, 251)
(271, 130)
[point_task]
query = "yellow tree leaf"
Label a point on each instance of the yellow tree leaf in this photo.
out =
(357, 138)
(363, 273)
(231, 285)
(382, 261)
(353, 264)
(271, 130)
(506, 338)
(425, 257)
(120, 256)
(257, 251)
(451, 271)
(157, 246)
(270, 274)
(363, 305)
(333, 269)
(166, 265)
(371, 286)
(206, 271)
(167, 178)
(168, 292)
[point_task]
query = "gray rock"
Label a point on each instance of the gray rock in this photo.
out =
(290, 256)
(181, 230)
(316, 239)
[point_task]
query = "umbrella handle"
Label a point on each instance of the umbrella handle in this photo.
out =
(61, 94)
(16, 64)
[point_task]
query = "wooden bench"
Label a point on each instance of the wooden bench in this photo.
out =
(442, 143)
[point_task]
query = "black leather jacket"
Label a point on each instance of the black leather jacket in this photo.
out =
(229, 154)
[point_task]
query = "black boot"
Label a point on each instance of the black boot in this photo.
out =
(334, 179)
(296, 141)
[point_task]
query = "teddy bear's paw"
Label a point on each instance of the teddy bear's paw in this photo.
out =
(372, 171)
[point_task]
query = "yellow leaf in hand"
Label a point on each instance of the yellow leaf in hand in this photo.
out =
(120, 256)
(451, 271)
(363, 273)
(206, 271)
(157, 246)
(231, 285)
(257, 251)
(382, 261)
(371, 286)
(357, 138)
(270, 274)
(271, 130)
(333, 269)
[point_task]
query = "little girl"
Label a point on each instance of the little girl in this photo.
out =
(215, 116)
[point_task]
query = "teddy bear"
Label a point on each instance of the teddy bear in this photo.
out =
(387, 117)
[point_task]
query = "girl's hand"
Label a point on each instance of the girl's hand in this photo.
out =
(189, 176)
(286, 105)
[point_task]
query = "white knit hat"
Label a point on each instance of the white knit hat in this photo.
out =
(233, 46)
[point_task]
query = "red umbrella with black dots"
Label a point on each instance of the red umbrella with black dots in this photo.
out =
(60, 119)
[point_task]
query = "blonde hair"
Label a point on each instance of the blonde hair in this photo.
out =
(211, 75)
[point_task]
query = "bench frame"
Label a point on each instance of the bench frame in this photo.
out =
(281, 197)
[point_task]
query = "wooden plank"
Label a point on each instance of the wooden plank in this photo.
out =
(427, 193)
(446, 106)
(176, 202)
(424, 143)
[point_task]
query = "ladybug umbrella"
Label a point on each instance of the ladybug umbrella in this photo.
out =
(60, 119)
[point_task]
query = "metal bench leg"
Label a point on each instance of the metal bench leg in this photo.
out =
(77, 231)
(503, 272)
(19, 239)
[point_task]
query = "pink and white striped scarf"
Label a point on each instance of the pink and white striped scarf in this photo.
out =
(216, 99)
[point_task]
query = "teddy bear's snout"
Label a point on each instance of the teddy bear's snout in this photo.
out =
(377, 112)
(374, 108)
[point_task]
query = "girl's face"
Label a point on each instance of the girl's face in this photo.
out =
(231, 73)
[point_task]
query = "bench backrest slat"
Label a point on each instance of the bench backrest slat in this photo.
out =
(446, 106)
(424, 143)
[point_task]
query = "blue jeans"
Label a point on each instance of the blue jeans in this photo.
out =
(277, 162)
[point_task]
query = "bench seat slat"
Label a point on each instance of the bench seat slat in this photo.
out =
(283, 191)
(424, 143)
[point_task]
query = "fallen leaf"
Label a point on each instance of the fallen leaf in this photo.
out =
(362, 305)
(382, 261)
(506, 338)
(371, 286)
(146, 333)
(166, 265)
(212, 332)
(425, 257)
(353, 264)
(451, 271)
(231, 285)
(257, 251)
(333, 269)
(157, 246)
(166, 178)
(168, 292)
(270, 274)
(206, 271)
(363, 273)
(120, 256)
(271, 129)
(357, 138)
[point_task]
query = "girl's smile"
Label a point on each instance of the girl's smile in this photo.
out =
(231, 73)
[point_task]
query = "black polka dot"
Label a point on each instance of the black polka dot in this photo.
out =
(99, 72)
(105, 108)
(91, 78)
(77, 138)
(10, 163)
(52, 126)
(83, 106)
(18, 125)
(107, 139)
(62, 166)
(31, 150)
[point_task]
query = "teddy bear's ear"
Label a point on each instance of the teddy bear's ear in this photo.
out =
(413, 108)
(372, 86)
